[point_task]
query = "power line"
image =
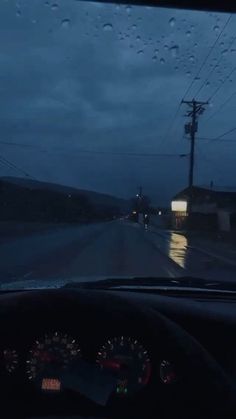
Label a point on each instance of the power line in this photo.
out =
(220, 107)
(207, 56)
(225, 133)
(115, 153)
(10, 165)
(213, 69)
(222, 84)
(227, 140)
(109, 152)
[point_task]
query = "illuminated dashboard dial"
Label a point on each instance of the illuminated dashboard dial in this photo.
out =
(129, 361)
(49, 357)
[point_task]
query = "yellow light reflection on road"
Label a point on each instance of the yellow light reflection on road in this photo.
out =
(178, 249)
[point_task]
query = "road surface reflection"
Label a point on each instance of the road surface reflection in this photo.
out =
(177, 251)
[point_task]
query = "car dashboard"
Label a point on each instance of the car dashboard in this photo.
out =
(99, 353)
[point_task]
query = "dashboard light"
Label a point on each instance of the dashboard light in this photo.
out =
(51, 384)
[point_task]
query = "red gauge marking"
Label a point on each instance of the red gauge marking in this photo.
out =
(110, 363)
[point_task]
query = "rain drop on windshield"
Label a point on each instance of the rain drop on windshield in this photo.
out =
(107, 27)
(174, 51)
(172, 22)
(162, 61)
(224, 52)
(65, 23)
(54, 6)
(216, 28)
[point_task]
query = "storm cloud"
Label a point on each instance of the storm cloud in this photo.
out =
(84, 83)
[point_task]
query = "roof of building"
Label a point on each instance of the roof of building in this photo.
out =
(199, 194)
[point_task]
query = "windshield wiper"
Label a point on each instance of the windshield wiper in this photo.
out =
(180, 283)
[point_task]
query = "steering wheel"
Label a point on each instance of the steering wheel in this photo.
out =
(201, 390)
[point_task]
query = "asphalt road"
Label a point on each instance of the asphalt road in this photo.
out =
(118, 248)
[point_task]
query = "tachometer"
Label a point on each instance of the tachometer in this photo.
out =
(49, 357)
(129, 361)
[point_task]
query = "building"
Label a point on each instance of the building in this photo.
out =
(211, 209)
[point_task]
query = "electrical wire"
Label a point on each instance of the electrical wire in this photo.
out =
(213, 69)
(10, 165)
(225, 133)
(221, 85)
(170, 127)
(220, 107)
(207, 56)
(109, 152)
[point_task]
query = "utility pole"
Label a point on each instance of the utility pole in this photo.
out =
(196, 109)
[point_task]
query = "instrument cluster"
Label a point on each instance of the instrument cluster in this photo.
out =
(55, 358)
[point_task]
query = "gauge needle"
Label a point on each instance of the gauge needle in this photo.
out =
(110, 363)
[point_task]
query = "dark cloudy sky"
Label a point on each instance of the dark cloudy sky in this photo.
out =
(81, 84)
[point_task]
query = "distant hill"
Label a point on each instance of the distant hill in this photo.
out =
(28, 199)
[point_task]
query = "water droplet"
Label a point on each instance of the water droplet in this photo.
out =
(128, 9)
(233, 50)
(188, 34)
(188, 73)
(216, 28)
(107, 27)
(138, 38)
(222, 44)
(54, 6)
(18, 13)
(118, 8)
(174, 51)
(172, 22)
(65, 23)
(197, 78)
(207, 83)
(166, 47)
(154, 58)
(191, 59)
(162, 61)
(46, 3)
(176, 68)
(192, 27)
(224, 52)
(134, 27)
(156, 51)
(140, 52)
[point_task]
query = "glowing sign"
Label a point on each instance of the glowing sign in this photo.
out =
(51, 384)
(179, 206)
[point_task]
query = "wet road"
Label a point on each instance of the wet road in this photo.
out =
(118, 248)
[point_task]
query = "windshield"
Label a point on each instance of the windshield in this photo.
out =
(117, 142)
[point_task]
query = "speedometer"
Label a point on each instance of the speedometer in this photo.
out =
(129, 361)
(49, 357)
